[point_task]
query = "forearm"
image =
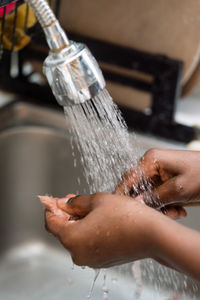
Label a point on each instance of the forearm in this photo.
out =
(177, 246)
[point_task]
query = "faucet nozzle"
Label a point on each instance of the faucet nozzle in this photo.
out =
(70, 68)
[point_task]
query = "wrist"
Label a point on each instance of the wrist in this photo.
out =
(157, 232)
(166, 240)
(151, 232)
(146, 223)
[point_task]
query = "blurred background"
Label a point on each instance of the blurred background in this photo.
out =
(149, 54)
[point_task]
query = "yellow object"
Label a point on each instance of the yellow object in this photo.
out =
(21, 38)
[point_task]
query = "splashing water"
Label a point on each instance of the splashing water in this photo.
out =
(104, 287)
(136, 271)
(96, 274)
(161, 278)
(99, 132)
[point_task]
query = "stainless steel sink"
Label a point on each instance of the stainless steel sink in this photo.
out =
(36, 158)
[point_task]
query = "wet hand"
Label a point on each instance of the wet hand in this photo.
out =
(101, 230)
(174, 178)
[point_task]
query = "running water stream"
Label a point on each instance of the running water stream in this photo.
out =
(99, 131)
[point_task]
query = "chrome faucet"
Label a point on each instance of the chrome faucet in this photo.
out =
(71, 69)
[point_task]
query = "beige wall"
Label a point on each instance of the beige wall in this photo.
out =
(168, 27)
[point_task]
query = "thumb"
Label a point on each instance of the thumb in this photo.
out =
(55, 219)
(167, 197)
(170, 192)
(78, 206)
(55, 223)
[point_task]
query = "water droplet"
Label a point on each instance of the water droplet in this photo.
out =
(96, 274)
(70, 281)
(104, 287)
(114, 280)
(78, 180)
(75, 163)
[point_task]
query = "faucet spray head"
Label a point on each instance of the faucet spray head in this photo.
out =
(70, 68)
(73, 74)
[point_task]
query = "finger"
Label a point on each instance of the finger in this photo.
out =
(70, 195)
(170, 192)
(175, 212)
(142, 178)
(62, 202)
(131, 182)
(55, 223)
(55, 218)
(148, 170)
(76, 206)
(50, 204)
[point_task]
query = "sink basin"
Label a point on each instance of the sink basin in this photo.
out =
(36, 158)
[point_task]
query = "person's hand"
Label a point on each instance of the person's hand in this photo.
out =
(174, 177)
(101, 230)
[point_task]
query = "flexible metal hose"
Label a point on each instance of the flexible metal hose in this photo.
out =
(43, 12)
(55, 35)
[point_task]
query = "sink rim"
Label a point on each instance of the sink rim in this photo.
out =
(20, 113)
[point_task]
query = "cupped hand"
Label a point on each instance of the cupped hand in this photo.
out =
(100, 230)
(165, 178)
